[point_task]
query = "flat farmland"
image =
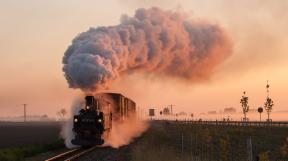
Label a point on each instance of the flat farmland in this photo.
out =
(183, 141)
(17, 134)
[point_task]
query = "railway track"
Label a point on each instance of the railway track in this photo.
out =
(71, 154)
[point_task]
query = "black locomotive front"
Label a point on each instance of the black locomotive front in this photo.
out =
(94, 122)
(89, 124)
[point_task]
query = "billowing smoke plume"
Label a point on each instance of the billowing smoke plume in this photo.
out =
(154, 41)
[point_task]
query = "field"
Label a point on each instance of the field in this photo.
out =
(17, 134)
(167, 141)
(180, 141)
(186, 142)
(20, 140)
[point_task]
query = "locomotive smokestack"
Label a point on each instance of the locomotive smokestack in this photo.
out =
(164, 43)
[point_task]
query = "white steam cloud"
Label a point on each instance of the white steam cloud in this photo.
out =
(66, 131)
(124, 132)
(156, 41)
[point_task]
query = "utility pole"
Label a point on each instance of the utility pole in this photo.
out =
(24, 105)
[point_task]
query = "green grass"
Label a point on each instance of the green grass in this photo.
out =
(19, 154)
(163, 142)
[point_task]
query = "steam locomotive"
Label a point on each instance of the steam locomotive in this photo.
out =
(93, 124)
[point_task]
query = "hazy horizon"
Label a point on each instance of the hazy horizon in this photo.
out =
(35, 34)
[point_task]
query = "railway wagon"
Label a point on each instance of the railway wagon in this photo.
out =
(123, 106)
(94, 122)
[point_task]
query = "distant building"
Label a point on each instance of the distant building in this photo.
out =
(151, 112)
(182, 113)
(212, 112)
(230, 110)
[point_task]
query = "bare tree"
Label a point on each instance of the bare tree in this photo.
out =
(244, 104)
(62, 113)
(268, 104)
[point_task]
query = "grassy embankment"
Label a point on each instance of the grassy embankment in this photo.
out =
(186, 142)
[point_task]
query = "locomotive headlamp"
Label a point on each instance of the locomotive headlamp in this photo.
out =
(75, 120)
(99, 120)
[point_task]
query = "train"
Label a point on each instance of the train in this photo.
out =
(93, 123)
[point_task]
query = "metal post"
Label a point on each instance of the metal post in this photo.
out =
(249, 149)
(196, 151)
(182, 142)
(191, 154)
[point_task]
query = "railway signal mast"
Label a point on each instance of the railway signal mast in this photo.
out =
(268, 103)
(260, 110)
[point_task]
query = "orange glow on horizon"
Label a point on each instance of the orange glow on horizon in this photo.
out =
(35, 35)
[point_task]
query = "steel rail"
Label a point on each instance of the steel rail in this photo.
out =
(71, 154)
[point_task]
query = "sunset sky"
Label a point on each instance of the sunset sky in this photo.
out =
(34, 35)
